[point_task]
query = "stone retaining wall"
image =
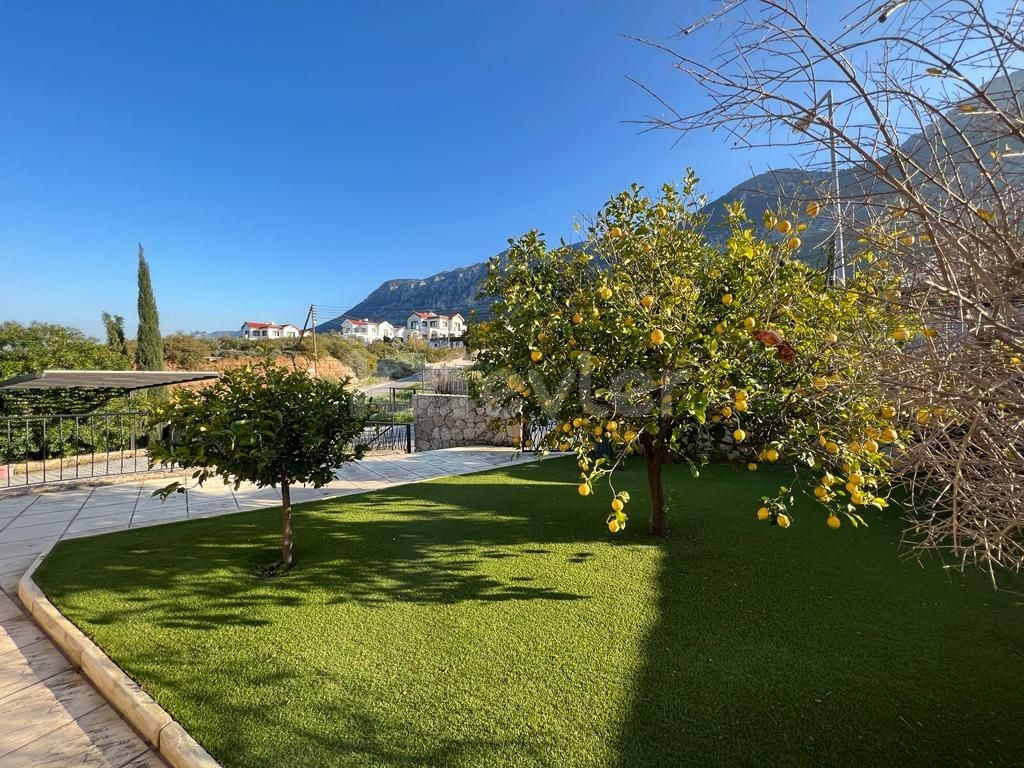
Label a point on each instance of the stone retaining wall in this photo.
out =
(450, 421)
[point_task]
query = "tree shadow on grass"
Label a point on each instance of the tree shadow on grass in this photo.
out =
(817, 647)
(424, 543)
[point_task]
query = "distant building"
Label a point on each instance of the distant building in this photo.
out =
(367, 330)
(435, 328)
(254, 330)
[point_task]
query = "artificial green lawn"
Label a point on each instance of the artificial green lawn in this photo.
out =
(491, 620)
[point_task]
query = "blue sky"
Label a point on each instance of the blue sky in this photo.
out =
(273, 155)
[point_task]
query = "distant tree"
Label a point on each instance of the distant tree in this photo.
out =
(265, 425)
(149, 356)
(114, 326)
(185, 351)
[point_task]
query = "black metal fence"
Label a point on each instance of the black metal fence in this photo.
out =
(534, 435)
(68, 446)
(387, 436)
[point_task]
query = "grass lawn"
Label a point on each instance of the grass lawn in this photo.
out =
(490, 620)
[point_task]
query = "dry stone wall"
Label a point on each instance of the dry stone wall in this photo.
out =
(450, 421)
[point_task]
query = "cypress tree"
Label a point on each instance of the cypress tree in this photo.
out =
(114, 325)
(149, 355)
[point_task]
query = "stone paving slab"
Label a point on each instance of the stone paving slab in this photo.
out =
(52, 716)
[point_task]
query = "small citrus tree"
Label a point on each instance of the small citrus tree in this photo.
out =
(649, 339)
(265, 425)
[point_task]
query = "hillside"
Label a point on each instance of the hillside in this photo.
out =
(456, 291)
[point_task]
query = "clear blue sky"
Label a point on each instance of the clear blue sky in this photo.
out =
(270, 155)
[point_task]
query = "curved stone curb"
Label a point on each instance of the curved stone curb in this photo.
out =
(152, 722)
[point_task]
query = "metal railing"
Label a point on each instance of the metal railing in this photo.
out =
(70, 446)
(447, 380)
(387, 436)
(534, 434)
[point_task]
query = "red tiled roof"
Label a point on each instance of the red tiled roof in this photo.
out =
(256, 325)
(433, 315)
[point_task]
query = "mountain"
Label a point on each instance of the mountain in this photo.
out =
(941, 145)
(445, 292)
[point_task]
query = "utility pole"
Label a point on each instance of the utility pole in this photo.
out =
(837, 252)
(311, 324)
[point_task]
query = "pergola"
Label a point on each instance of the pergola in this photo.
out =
(122, 380)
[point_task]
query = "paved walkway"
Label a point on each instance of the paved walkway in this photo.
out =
(51, 715)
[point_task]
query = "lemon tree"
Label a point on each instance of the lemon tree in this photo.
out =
(647, 338)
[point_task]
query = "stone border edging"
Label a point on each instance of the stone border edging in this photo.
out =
(149, 719)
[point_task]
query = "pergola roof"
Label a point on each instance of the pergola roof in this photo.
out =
(128, 380)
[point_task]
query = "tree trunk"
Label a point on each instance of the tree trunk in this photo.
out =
(286, 526)
(655, 459)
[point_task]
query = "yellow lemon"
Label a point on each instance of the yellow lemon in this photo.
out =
(901, 334)
(615, 232)
(577, 319)
(763, 513)
(819, 382)
(578, 422)
(613, 525)
(536, 355)
(605, 293)
(887, 412)
(831, 447)
(771, 455)
(888, 434)
(794, 243)
(583, 489)
(660, 212)
(871, 446)
(726, 411)
(657, 336)
(647, 301)
(727, 299)
(833, 522)
(783, 226)
(820, 491)
(831, 338)
(739, 435)
(752, 467)
(782, 520)
(748, 323)
(617, 505)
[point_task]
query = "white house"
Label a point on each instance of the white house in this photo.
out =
(254, 330)
(367, 330)
(430, 326)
